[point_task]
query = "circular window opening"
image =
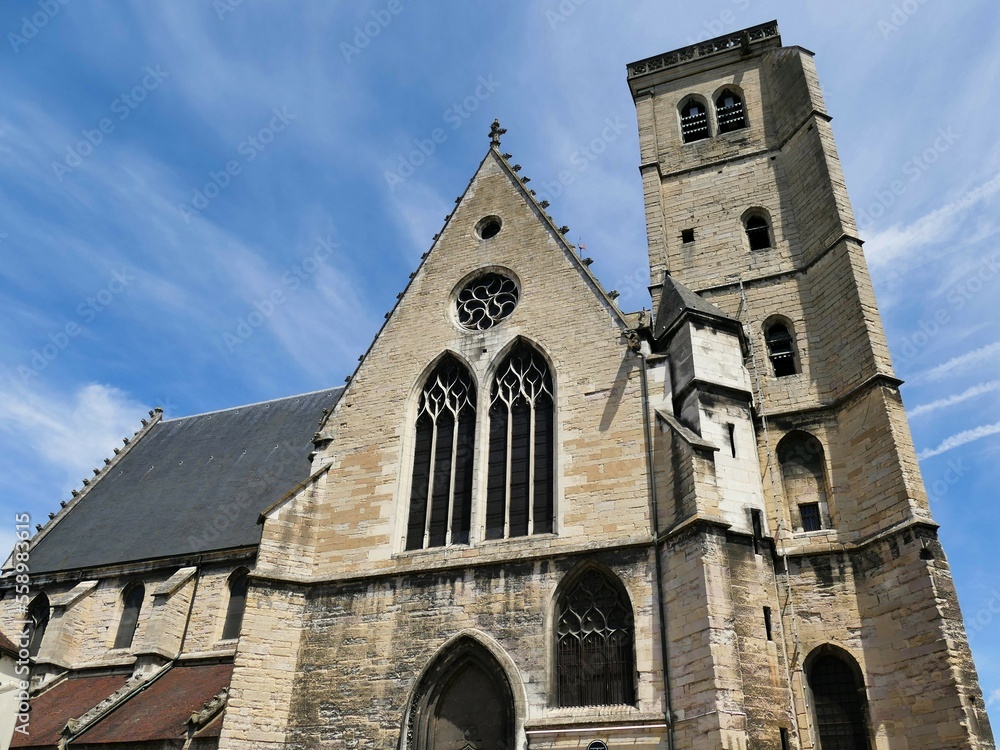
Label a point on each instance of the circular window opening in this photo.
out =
(489, 227)
(486, 300)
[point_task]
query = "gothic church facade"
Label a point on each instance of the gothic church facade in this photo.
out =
(531, 519)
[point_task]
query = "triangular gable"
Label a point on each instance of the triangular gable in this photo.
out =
(494, 160)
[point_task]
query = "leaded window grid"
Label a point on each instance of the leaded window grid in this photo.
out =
(595, 642)
(486, 301)
(448, 392)
(523, 380)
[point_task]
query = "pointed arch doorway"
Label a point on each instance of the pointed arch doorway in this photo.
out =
(464, 702)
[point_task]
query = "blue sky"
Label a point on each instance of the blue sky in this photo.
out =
(169, 168)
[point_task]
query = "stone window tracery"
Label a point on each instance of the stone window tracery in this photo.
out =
(595, 643)
(441, 487)
(486, 301)
(520, 487)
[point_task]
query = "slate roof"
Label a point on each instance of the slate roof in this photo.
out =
(189, 485)
(675, 300)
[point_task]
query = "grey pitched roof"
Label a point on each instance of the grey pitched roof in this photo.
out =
(190, 485)
(677, 299)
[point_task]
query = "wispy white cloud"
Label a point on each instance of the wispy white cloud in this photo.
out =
(962, 362)
(900, 245)
(72, 431)
(993, 699)
(943, 403)
(961, 438)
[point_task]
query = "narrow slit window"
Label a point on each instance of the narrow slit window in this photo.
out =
(785, 743)
(757, 522)
(780, 350)
(729, 111)
(132, 598)
(238, 583)
(441, 488)
(732, 438)
(767, 624)
(520, 486)
(36, 622)
(758, 232)
(694, 121)
(595, 643)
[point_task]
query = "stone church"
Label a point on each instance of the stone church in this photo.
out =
(532, 519)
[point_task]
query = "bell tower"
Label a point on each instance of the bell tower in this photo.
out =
(746, 206)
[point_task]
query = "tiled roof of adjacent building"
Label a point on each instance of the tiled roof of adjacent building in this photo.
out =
(189, 485)
(64, 701)
(161, 711)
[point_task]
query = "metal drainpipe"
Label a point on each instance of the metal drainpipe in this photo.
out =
(636, 347)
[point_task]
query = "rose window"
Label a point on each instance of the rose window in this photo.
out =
(486, 300)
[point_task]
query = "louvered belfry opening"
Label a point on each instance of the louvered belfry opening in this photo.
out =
(839, 699)
(780, 350)
(595, 663)
(520, 487)
(729, 111)
(694, 121)
(441, 490)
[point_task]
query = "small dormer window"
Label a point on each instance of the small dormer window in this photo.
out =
(694, 121)
(729, 111)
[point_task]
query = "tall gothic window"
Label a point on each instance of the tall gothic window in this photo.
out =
(729, 111)
(840, 702)
(132, 598)
(595, 642)
(520, 489)
(36, 622)
(441, 491)
(694, 120)
(238, 583)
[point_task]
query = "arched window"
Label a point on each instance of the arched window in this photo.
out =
(803, 476)
(441, 490)
(463, 701)
(595, 642)
(238, 582)
(694, 120)
(758, 232)
(780, 349)
(520, 489)
(729, 111)
(132, 597)
(839, 701)
(36, 621)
